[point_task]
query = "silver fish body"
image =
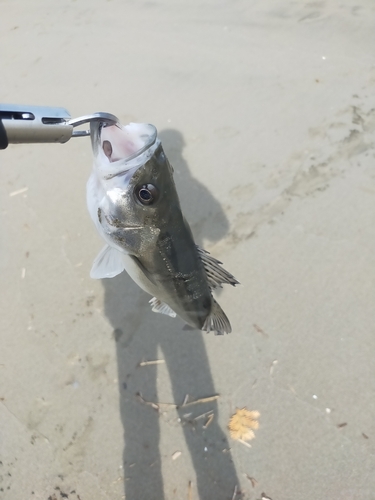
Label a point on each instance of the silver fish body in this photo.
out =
(133, 201)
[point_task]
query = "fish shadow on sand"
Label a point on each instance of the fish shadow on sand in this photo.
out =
(140, 335)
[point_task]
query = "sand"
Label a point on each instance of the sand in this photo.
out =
(266, 110)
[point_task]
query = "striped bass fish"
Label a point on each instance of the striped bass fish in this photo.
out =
(133, 201)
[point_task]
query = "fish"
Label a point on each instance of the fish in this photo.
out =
(133, 202)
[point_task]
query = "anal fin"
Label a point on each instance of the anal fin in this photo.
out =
(161, 307)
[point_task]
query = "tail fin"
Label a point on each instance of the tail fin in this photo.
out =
(217, 321)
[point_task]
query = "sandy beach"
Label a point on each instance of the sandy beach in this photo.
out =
(266, 110)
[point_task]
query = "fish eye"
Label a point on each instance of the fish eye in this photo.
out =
(147, 194)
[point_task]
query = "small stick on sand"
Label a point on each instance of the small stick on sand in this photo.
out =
(149, 403)
(234, 493)
(209, 420)
(201, 400)
(244, 442)
(190, 492)
(155, 362)
(203, 415)
(172, 405)
(19, 191)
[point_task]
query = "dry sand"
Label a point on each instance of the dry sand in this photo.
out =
(266, 109)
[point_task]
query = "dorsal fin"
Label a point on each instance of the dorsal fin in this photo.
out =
(216, 275)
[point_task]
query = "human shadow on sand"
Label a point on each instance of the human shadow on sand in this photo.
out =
(139, 335)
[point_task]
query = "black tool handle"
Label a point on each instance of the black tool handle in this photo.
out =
(3, 136)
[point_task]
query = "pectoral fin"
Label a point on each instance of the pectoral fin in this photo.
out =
(161, 307)
(108, 263)
(216, 275)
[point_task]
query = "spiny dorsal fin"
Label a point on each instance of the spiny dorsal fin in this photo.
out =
(217, 321)
(161, 307)
(216, 275)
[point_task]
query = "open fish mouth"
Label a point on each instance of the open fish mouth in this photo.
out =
(128, 142)
(119, 148)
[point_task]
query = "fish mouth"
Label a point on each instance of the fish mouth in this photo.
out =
(126, 143)
(120, 148)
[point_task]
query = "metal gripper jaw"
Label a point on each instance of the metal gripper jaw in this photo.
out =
(42, 124)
